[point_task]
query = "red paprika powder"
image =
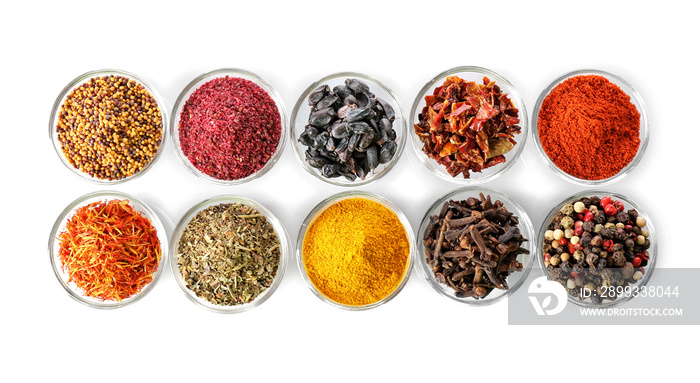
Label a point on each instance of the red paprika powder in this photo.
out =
(589, 127)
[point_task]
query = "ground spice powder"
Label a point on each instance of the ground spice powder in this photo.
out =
(588, 127)
(356, 252)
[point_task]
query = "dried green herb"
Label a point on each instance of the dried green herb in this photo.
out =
(228, 254)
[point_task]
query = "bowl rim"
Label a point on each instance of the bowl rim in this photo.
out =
(332, 200)
(525, 226)
(629, 204)
(82, 79)
(635, 99)
(402, 131)
(508, 88)
(107, 195)
(277, 225)
(204, 78)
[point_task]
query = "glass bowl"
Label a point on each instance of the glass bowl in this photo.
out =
(629, 204)
(82, 79)
(60, 225)
(285, 252)
(326, 203)
(514, 280)
(635, 99)
(198, 82)
(300, 118)
(471, 73)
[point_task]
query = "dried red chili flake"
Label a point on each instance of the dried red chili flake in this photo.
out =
(467, 126)
(229, 128)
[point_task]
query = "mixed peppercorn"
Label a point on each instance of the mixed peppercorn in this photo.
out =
(593, 244)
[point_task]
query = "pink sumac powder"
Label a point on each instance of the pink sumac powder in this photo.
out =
(229, 128)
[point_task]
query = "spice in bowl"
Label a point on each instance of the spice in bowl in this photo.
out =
(109, 250)
(228, 254)
(356, 252)
(467, 126)
(229, 128)
(349, 132)
(472, 246)
(588, 127)
(592, 246)
(109, 127)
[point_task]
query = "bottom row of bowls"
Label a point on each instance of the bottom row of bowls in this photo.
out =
(355, 249)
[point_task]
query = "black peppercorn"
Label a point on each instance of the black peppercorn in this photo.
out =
(629, 243)
(599, 217)
(588, 226)
(619, 259)
(566, 267)
(578, 268)
(585, 240)
(592, 259)
(622, 217)
(556, 274)
(602, 262)
(633, 214)
(617, 247)
(607, 233)
(620, 234)
(595, 200)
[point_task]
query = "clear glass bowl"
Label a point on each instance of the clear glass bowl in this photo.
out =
(635, 98)
(300, 118)
(285, 251)
(323, 205)
(60, 225)
(201, 80)
(514, 280)
(82, 79)
(471, 73)
(629, 204)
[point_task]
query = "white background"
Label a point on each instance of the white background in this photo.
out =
(418, 335)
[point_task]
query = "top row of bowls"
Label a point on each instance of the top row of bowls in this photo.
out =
(302, 110)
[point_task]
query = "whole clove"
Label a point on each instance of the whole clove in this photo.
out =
(472, 246)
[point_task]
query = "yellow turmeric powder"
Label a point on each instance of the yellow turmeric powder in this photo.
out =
(356, 252)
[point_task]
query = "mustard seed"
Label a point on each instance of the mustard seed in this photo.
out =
(110, 127)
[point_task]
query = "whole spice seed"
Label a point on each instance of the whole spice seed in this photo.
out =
(109, 250)
(228, 254)
(109, 127)
(356, 252)
(466, 126)
(604, 256)
(229, 128)
(588, 127)
(472, 246)
(350, 130)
